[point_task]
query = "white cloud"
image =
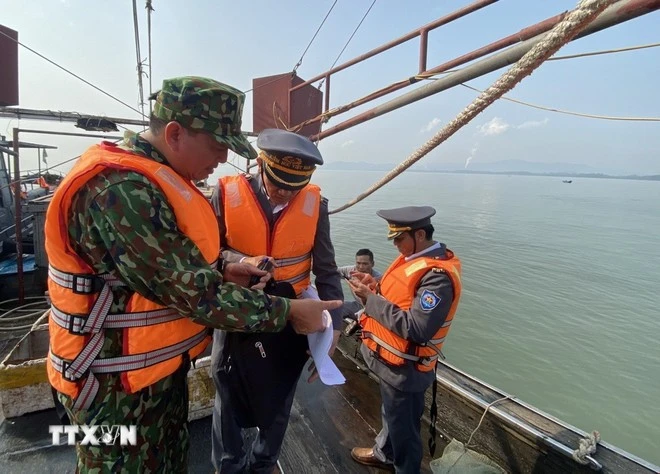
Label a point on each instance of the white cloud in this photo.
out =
(431, 125)
(348, 143)
(533, 124)
(494, 127)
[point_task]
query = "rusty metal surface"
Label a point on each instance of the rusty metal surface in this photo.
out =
(413, 34)
(305, 103)
(622, 11)
(522, 35)
(17, 215)
(275, 107)
(8, 66)
(270, 98)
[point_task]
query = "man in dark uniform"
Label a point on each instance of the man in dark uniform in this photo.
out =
(406, 319)
(273, 217)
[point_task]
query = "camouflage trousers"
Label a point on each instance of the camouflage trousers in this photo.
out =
(160, 413)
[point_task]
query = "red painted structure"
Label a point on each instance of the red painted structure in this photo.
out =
(278, 102)
(8, 66)
(495, 58)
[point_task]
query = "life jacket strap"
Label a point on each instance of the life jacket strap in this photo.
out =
(298, 278)
(75, 324)
(432, 345)
(83, 284)
(435, 341)
(87, 364)
(404, 355)
(285, 262)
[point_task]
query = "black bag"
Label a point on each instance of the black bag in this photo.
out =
(263, 368)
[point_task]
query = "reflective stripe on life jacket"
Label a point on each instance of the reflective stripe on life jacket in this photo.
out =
(291, 240)
(399, 286)
(154, 337)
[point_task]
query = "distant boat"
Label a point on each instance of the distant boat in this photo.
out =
(567, 181)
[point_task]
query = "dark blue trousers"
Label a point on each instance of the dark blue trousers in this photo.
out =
(228, 450)
(399, 441)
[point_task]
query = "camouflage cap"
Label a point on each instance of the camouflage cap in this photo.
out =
(199, 103)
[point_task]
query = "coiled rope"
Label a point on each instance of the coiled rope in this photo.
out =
(562, 33)
(22, 317)
(587, 447)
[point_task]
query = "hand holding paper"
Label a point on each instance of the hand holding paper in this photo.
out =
(320, 344)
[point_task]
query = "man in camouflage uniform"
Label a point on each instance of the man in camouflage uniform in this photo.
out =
(121, 223)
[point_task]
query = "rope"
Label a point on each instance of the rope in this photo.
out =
(39, 299)
(11, 183)
(326, 116)
(30, 312)
(587, 447)
(264, 84)
(140, 72)
(467, 445)
(491, 404)
(349, 40)
(72, 73)
(577, 114)
(295, 68)
(149, 10)
(606, 51)
(562, 33)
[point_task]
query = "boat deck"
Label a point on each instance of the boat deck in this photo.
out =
(326, 422)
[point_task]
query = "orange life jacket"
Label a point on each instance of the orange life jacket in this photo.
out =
(291, 240)
(154, 337)
(399, 286)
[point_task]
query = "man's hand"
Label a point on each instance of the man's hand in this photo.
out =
(312, 366)
(240, 273)
(360, 289)
(365, 279)
(306, 315)
(255, 261)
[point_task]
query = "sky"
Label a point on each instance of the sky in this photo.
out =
(235, 42)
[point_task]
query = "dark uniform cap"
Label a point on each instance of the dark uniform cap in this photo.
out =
(405, 219)
(288, 159)
(202, 104)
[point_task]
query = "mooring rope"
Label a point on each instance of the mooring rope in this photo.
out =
(488, 407)
(562, 33)
(587, 447)
(576, 114)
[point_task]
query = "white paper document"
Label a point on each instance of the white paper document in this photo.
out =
(319, 345)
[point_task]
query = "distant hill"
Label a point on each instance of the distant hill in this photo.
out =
(513, 167)
(517, 166)
(358, 166)
(494, 167)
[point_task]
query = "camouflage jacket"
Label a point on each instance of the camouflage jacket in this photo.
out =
(111, 215)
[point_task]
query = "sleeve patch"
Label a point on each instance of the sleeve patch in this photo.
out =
(429, 300)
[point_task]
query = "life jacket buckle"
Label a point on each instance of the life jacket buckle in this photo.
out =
(90, 284)
(72, 320)
(65, 368)
(425, 361)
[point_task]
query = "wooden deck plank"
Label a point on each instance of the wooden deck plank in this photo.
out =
(327, 422)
